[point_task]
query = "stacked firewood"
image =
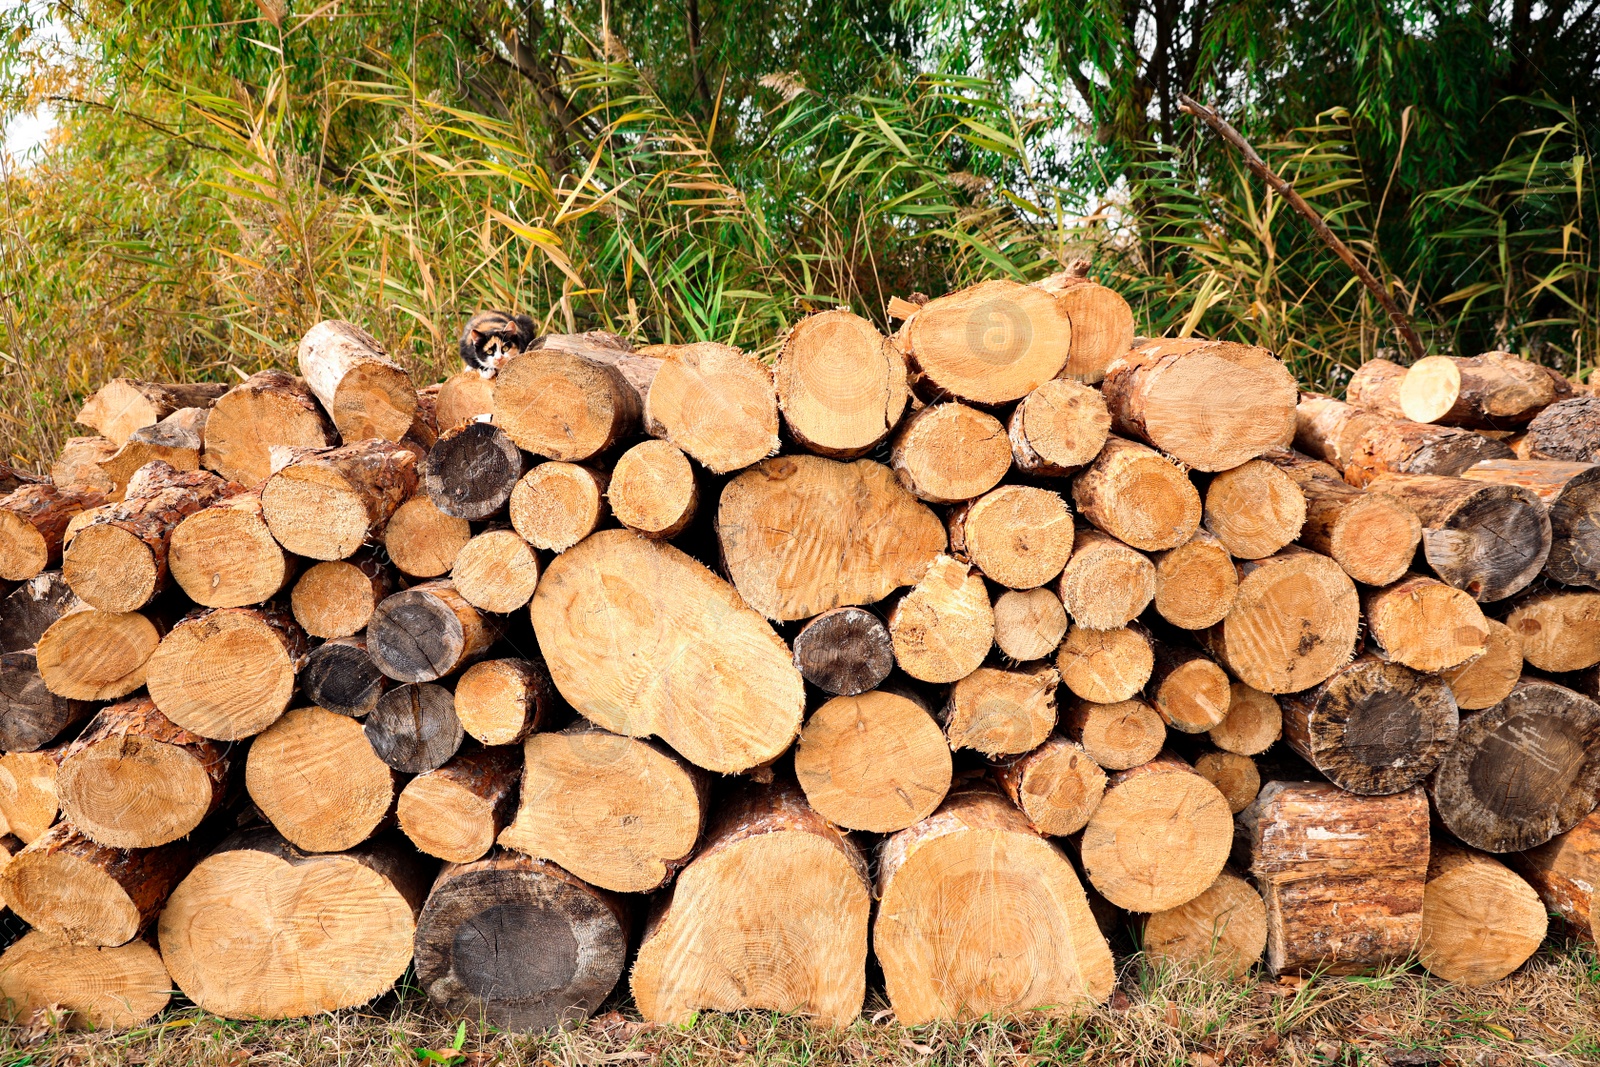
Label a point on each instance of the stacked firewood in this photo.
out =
(972, 646)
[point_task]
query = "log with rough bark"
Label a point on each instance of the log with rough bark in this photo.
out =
(1029, 623)
(267, 409)
(1255, 509)
(1221, 931)
(364, 392)
(1253, 723)
(1343, 876)
(1138, 496)
(307, 933)
(1102, 324)
(1522, 771)
(176, 440)
(519, 944)
(990, 343)
(978, 914)
(715, 403)
(572, 397)
(1058, 429)
(1568, 430)
(1488, 678)
(463, 397)
(710, 944)
(1117, 736)
(1196, 582)
(1057, 785)
(501, 701)
(427, 632)
(1019, 536)
(224, 556)
(653, 490)
(556, 505)
(947, 453)
(414, 728)
(422, 541)
(876, 762)
(1211, 405)
(1375, 386)
(1425, 624)
(81, 987)
(33, 520)
(1571, 492)
(30, 715)
(1559, 630)
(1371, 535)
(1189, 691)
(124, 405)
(1331, 430)
(31, 608)
(844, 651)
(471, 470)
(1105, 666)
(326, 504)
(1494, 391)
(1236, 777)
(228, 673)
(77, 466)
(317, 780)
(1399, 447)
(1001, 712)
(97, 655)
(339, 676)
(28, 801)
(336, 598)
(1565, 872)
(496, 571)
(1105, 584)
(1480, 921)
(841, 384)
(457, 811)
(942, 630)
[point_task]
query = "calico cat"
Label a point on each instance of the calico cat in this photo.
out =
(493, 337)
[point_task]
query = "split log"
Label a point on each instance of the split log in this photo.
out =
(466, 396)
(501, 701)
(471, 470)
(336, 598)
(496, 572)
(1494, 391)
(176, 440)
(33, 519)
(715, 403)
(267, 409)
(1398, 447)
(1057, 786)
(1253, 723)
(1029, 623)
(317, 780)
(30, 715)
(1571, 492)
(943, 628)
(556, 505)
(306, 933)
(77, 466)
(228, 673)
(123, 405)
(1331, 430)
(457, 811)
(1105, 666)
(1488, 678)
(1196, 582)
(1221, 931)
(1117, 736)
(1490, 540)
(1188, 690)
(1105, 584)
(1565, 872)
(653, 490)
(414, 728)
(989, 343)
(1372, 536)
(844, 651)
(1375, 386)
(1566, 430)
(947, 453)
(1480, 921)
(1236, 777)
(1102, 324)
(1425, 624)
(1002, 712)
(97, 655)
(31, 608)
(1559, 630)
(519, 944)
(423, 541)
(876, 762)
(364, 392)
(1058, 428)
(1019, 536)
(82, 986)
(841, 384)
(1255, 509)
(224, 556)
(1211, 405)
(340, 677)
(1138, 496)
(28, 801)
(326, 504)
(573, 397)
(1522, 771)
(723, 691)
(427, 632)
(979, 915)
(711, 945)
(1343, 876)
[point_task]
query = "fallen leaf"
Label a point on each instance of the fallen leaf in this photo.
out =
(1270, 1043)
(1172, 1015)
(1119, 1001)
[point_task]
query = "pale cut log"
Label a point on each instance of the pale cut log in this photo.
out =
(427, 632)
(364, 392)
(949, 452)
(176, 440)
(1494, 391)
(134, 779)
(1522, 771)
(1029, 623)
(618, 812)
(1057, 785)
(714, 402)
(710, 945)
(1255, 509)
(228, 673)
(1565, 872)
(1375, 386)
(33, 520)
(723, 690)
(775, 521)
(1253, 723)
(307, 933)
(844, 651)
(31, 608)
(573, 397)
(979, 915)
(1189, 691)
(1106, 584)
(1571, 492)
(876, 762)
(1223, 931)
(466, 396)
(336, 598)
(1425, 624)
(841, 384)
(82, 987)
(414, 728)
(1102, 324)
(317, 780)
(496, 572)
(123, 405)
(1293, 623)
(1236, 777)
(1343, 876)
(1372, 536)
(224, 556)
(1019, 536)
(326, 504)
(1164, 797)
(97, 655)
(77, 466)
(1105, 666)
(30, 715)
(988, 344)
(519, 944)
(1117, 736)
(1196, 582)
(653, 490)
(556, 505)
(1480, 921)
(501, 701)
(1490, 540)
(1331, 430)
(458, 810)
(270, 408)
(1001, 712)
(471, 470)
(1058, 428)
(1138, 496)
(942, 630)
(339, 676)
(28, 801)
(1566, 430)
(1373, 727)
(1400, 447)
(422, 541)
(1488, 678)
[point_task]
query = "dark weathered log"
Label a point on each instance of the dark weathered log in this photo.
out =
(1568, 430)
(845, 651)
(471, 470)
(414, 728)
(30, 609)
(427, 632)
(339, 675)
(30, 715)
(1571, 491)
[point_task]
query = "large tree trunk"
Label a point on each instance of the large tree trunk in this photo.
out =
(501, 701)
(1138, 496)
(1058, 428)
(340, 677)
(715, 403)
(326, 504)
(942, 630)
(949, 452)
(224, 556)
(876, 762)
(1480, 921)
(573, 397)
(317, 780)
(33, 520)
(556, 505)
(1196, 582)
(427, 632)
(83, 986)
(457, 811)
(990, 343)
(1371, 535)
(1571, 492)
(1494, 391)
(1001, 712)
(267, 409)
(364, 392)
(841, 385)
(123, 405)
(1105, 584)
(1565, 871)
(1019, 536)
(228, 673)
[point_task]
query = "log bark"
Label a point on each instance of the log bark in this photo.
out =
(1399, 447)
(714, 402)
(1102, 324)
(949, 452)
(1253, 723)
(228, 673)
(556, 505)
(82, 987)
(573, 397)
(270, 408)
(496, 572)
(1373, 536)
(1567, 430)
(28, 801)
(1236, 777)
(876, 762)
(1116, 736)
(1331, 430)
(501, 701)
(1425, 624)
(1565, 872)
(1571, 492)
(1196, 582)
(942, 630)
(1494, 391)
(339, 676)
(1255, 509)
(422, 541)
(414, 728)
(336, 598)
(1057, 785)
(77, 466)
(123, 405)
(317, 780)
(33, 519)
(30, 715)
(176, 440)
(844, 651)
(466, 396)
(1480, 921)
(326, 504)
(1019, 536)
(1106, 584)
(471, 470)
(1058, 429)
(988, 344)
(457, 811)
(1029, 624)
(653, 490)
(1138, 496)
(31, 608)
(1105, 666)
(364, 392)
(1222, 932)
(97, 655)
(1001, 712)
(1189, 691)
(1375, 386)
(841, 385)
(224, 556)
(1488, 678)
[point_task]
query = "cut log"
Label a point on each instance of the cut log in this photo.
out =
(77, 466)
(1490, 540)
(573, 397)
(1331, 430)
(340, 677)
(942, 630)
(1223, 931)
(556, 505)
(464, 397)
(1399, 447)
(1236, 777)
(1375, 386)
(1138, 496)
(427, 632)
(1488, 678)
(1105, 666)
(306, 934)
(1019, 536)
(1571, 492)
(980, 915)
(317, 780)
(496, 572)
(1294, 622)
(176, 440)
(711, 944)
(326, 504)
(267, 409)
(1002, 712)
(1058, 428)
(1522, 771)
(720, 687)
(1566, 430)
(947, 453)
(501, 701)
(1255, 509)
(1480, 921)
(844, 652)
(336, 598)
(224, 556)
(874, 762)
(423, 541)
(471, 470)
(1196, 582)
(1029, 624)
(990, 343)
(81, 987)
(1102, 324)
(1189, 691)
(134, 779)
(33, 519)
(1425, 624)
(31, 608)
(1117, 736)
(1343, 876)
(1494, 391)
(519, 944)
(1057, 786)
(364, 392)
(841, 384)
(123, 405)
(1106, 584)
(30, 715)
(457, 811)
(28, 803)
(1253, 723)
(1565, 872)
(715, 403)
(1371, 535)
(652, 490)
(228, 673)
(97, 655)
(414, 728)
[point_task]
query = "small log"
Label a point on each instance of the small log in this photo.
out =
(123, 405)
(556, 505)
(1138, 496)
(1425, 624)
(97, 655)
(28, 800)
(1105, 666)
(1105, 584)
(340, 677)
(573, 397)
(1102, 324)
(471, 470)
(1480, 921)
(1236, 777)
(427, 632)
(1253, 723)
(267, 409)
(1255, 509)
(364, 392)
(841, 384)
(33, 519)
(1196, 582)
(1222, 931)
(1373, 536)
(336, 598)
(1002, 712)
(714, 402)
(989, 343)
(457, 811)
(176, 440)
(1057, 786)
(1331, 430)
(1019, 536)
(414, 728)
(326, 504)
(844, 651)
(1494, 391)
(942, 630)
(653, 491)
(1399, 447)
(501, 701)
(31, 608)
(1116, 736)
(224, 556)
(876, 762)
(1029, 623)
(1567, 430)
(1188, 690)
(1488, 678)
(317, 780)
(1565, 872)
(496, 572)
(30, 715)
(77, 466)
(82, 987)
(1058, 428)
(466, 396)
(1375, 386)
(947, 453)
(423, 541)
(1571, 492)
(228, 673)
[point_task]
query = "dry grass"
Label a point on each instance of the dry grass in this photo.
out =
(1548, 1013)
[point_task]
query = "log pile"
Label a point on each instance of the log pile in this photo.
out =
(663, 669)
